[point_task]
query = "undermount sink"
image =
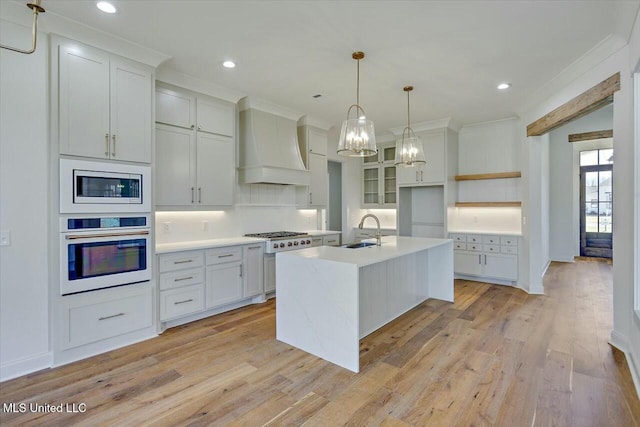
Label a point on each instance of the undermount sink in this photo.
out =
(358, 245)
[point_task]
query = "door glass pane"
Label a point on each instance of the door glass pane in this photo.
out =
(371, 185)
(589, 158)
(370, 159)
(605, 186)
(389, 154)
(606, 156)
(389, 184)
(604, 220)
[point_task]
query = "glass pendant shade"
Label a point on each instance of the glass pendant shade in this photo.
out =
(357, 138)
(409, 150)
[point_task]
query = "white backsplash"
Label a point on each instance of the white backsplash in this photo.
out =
(174, 227)
(387, 217)
(485, 220)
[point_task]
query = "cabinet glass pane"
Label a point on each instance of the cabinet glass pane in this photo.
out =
(389, 154)
(370, 159)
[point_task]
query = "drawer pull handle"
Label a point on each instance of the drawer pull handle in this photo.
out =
(183, 278)
(225, 256)
(111, 317)
(183, 302)
(255, 247)
(183, 261)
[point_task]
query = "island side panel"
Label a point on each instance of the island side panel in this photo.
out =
(440, 272)
(317, 308)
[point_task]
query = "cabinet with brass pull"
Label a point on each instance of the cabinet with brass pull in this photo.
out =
(487, 256)
(108, 115)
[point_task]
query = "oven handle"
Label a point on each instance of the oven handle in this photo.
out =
(93, 236)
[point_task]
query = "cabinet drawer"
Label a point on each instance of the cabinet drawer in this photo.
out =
(180, 260)
(491, 248)
(116, 316)
(509, 249)
(475, 247)
(177, 279)
(474, 238)
(507, 240)
(460, 246)
(222, 255)
(182, 301)
(331, 240)
(458, 237)
(491, 240)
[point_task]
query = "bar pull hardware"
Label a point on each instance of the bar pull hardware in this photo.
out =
(106, 144)
(113, 137)
(479, 259)
(111, 317)
(255, 247)
(199, 194)
(183, 261)
(225, 256)
(192, 195)
(93, 236)
(310, 198)
(183, 302)
(421, 176)
(183, 278)
(485, 260)
(240, 270)
(416, 176)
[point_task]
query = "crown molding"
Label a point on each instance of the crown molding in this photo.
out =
(172, 77)
(447, 122)
(315, 122)
(268, 107)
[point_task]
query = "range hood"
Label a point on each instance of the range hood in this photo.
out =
(269, 152)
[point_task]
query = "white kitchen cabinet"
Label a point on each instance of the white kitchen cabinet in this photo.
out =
(313, 150)
(224, 284)
(215, 117)
(270, 273)
(104, 105)
(433, 172)
(331, 240)
(316, 241)
(175, 108)
(486, 256)
(379, 179)
(181, 301)
(193, 169)
(253, 271)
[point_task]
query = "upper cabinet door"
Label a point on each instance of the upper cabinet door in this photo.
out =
(434, 153)
(317, 142)
(84, 102)
(130, 113)
(318, 188)
(215, 168)
(216, 117)
(175, 108)
(175, 173)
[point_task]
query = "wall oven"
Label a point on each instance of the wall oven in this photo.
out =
(98, 252)
(87, 186)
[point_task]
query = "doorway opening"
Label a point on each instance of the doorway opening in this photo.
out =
(334, 203)
(596, 203)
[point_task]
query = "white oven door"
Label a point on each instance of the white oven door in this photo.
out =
(95, 260)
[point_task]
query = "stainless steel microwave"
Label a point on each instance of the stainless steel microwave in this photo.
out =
(99, 187)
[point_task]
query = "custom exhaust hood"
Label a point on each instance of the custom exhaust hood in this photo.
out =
(269, 152)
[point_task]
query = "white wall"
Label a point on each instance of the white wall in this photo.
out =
(564, 168)
(24, 303)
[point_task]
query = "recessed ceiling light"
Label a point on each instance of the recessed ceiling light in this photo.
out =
(229, 64)
(503, 86)
(106, 7)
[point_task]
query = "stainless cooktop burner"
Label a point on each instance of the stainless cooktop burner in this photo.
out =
(278, 234)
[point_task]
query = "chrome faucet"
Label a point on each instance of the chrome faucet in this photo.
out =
(378, 234)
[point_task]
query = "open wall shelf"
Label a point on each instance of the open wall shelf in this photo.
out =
(497, 175)
(488, 204)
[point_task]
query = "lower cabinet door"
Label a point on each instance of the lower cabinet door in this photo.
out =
(467, 263)
(270, 273)
(181, 301)
(224, 284)
(501, 266)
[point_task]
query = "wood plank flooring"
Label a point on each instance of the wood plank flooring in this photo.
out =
(496, 356)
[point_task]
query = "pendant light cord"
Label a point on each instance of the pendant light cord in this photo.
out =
(408, 111)
(358, 83)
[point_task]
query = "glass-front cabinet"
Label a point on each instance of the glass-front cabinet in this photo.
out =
(379, 179)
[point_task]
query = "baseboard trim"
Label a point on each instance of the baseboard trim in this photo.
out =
(546, 267)
(25, 366)
(621, 342)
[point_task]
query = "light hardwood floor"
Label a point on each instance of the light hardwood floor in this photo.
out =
(496, 356)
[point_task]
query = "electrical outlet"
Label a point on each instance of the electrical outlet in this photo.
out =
(166, 227)
(5, 238)
(205, 225)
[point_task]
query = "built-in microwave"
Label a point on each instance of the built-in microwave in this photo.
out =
(99, 252)
(99, 187)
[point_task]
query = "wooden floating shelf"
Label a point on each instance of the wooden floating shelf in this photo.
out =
(498, 175)
(488, 204)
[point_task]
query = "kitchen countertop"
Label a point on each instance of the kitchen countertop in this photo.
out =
(488, 232)
(392, 247)
(205, 244)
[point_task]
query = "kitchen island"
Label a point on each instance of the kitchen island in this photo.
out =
(331, 297)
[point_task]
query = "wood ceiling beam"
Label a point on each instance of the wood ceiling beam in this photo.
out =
(589, 136)
(591, 100)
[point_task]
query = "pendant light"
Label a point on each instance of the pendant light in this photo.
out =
(357, 137)
(37, 8)
(409, 150)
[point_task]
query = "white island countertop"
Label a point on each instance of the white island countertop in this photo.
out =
(392, 247)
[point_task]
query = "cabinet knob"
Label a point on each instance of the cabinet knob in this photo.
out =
(193, 126)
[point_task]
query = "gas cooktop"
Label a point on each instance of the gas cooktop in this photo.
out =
(278, 235)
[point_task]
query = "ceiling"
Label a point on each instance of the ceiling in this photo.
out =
(454, 53)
